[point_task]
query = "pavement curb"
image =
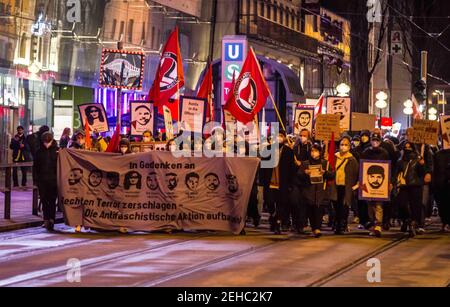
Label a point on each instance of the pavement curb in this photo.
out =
(24, 225)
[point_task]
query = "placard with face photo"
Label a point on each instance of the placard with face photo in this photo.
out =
(375, 179)
(445, 131)
(142, 117)
(341, 106)
(95, 115)
(303, 119)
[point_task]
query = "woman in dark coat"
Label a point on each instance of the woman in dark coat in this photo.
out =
(45, 165)
(314, 193)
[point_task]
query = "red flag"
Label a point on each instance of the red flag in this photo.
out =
(87, 132)
(331, 153)
(319, 106)
(169, 77)
(249, 93)
(416, 112)
(114, 143)
(206, 92)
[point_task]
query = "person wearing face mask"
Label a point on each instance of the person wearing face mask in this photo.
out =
(171, 146)
(281, 186)
(124, 146)
(78, 140)
(347, 171)
(409, 172)
(147, 137)
(375, 208)
(302, 151)
(21, 154)
(45, 165)
(314, 193)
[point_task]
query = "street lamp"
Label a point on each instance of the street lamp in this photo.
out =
(432, 113)
(408, 110)
(343, 90)
(381, 103)
(443, 101)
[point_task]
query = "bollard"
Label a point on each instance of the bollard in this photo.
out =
(8, 173)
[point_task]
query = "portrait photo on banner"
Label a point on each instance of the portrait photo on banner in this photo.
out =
(168, 123)
(95, 115)
(142, 117)
(445, 131)
(303, 119)
(375, 179)
(122, 69)
(193, 113)
(341, 106)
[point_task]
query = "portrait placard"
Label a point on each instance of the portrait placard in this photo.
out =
(375, 179)
(445, 131)
(303, 119)
(168, 123)
(95, 115)
(142, 117)
(342, 107)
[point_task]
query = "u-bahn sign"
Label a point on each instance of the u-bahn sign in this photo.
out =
(234, 52)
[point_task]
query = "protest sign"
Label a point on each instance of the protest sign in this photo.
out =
(326, 124)
(425, 132)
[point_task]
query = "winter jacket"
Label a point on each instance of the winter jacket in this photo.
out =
(351, 174)
(314, 194)
(21, 149)
(287, 168)
(409, 172)
(45, 163)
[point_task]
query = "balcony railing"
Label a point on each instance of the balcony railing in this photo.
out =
(258, 27)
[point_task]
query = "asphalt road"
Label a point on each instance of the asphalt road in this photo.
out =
(33, 257)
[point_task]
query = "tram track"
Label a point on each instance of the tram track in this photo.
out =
(322, 281)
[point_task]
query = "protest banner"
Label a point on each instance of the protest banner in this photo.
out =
(193, 114)
(425, 132)
(154, 191)
(95, 115)
(363, 121)
(375, 179)
(326, 125)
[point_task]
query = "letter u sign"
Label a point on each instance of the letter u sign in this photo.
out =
(234, 52)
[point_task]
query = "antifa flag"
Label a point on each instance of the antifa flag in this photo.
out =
(206, 92)
(169, 78)
(249, 93)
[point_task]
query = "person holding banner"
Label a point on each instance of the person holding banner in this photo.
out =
(314, 172)
(347, 172)
(375, 208)
(409, 173)
(78, 140)
(45, 164)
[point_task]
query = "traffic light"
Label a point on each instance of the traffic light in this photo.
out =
(420, 91)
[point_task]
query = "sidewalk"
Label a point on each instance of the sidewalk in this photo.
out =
(21, 212)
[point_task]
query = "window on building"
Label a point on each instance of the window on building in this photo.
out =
(315, 22)
(152, 43)
(143, 34)
(255, 7)
(275, 13)
(281, 15)
(23, 47)
(122, 29)
(262, 9)
(268, 8)
(113, 30)
(130, 30)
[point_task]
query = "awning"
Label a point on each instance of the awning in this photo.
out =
(294, 91)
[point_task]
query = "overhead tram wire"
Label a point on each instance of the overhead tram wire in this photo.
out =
(381, 50)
